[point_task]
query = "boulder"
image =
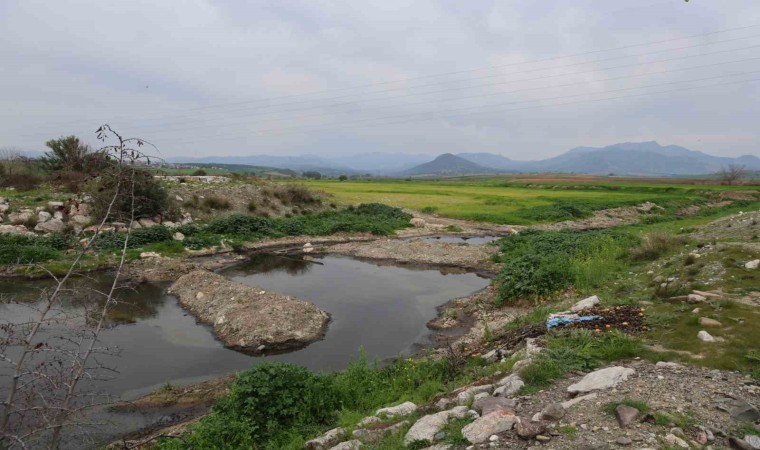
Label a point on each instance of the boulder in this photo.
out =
(146, 223)
(379, 433)
(348, 445)
(43, 216)
(178, 236)
(553, 412)
(601, 379)
(169, 224)
(80, 220)
(528, 429)
(704, 336)
(417, 222)
(20, 217)
(482, 428)
(369, 420)
(708, 322)
(401, 410)
(307, 248)
(753, 441)
(508, 385)
(574, 401)
(327, 440)
(586, 303)
(55, 205)
(625, 415)
(675, 441)
(695, 298)
(468, 394)
(247, 317)
(487, 405)
(13, 229)
(51, 226)
(426, 427)
(752, 264)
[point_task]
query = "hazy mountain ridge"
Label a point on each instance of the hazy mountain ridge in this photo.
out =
(627, 158)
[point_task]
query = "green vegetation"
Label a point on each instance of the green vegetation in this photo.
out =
(538, 265)
(24, 249)
(280, 406)
(527, 200)
(577, 350)
(643, 408)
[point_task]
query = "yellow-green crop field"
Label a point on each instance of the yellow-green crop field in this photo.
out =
(522, 201)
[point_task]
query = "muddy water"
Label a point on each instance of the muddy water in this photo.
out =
(380, 308)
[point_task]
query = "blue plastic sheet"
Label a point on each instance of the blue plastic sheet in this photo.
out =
(564, 320)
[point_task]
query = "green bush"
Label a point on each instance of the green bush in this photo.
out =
(263, 403)
(23, 249)
(540, 264)
(242, 225)
(150, 198)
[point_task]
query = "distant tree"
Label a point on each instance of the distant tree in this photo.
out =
(342, 178)
(10, 161)
(312, 174)
(68, 154)
(200, 173)
(732, 173)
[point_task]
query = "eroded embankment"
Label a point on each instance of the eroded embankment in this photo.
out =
(248, 318)
(417, 251)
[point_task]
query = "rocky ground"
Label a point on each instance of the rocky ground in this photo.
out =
(248, 318)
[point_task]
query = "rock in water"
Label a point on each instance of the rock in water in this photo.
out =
(601, 379)
(244, 318)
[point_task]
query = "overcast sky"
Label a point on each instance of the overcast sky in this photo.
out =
(526, 79)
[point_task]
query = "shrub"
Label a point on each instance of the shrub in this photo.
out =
(539, 264)
(242, 224)
(137, 238)
(21, 182)
(263, 402)
(199, 173)
(22, 249)
(70, 155)
(213, 202)
(151, 199)
(655, 245)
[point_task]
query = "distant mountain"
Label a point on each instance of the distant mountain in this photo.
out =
(447, 164)
(494, 162)
(381, 163)
(640, 158)
(627, 158)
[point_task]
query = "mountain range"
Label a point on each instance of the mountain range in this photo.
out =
(629, 158)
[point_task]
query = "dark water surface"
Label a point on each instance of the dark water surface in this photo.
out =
(382, 308)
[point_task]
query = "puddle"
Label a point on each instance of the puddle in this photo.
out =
(380, 308)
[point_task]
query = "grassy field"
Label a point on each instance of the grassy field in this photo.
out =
(522, 201)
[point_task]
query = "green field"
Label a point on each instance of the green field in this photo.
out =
(519, 201)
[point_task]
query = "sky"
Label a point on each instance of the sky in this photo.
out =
(524, 79)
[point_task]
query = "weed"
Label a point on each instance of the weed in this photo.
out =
(655, 245)
(453, 229)
(569, 430)
(643, 407)
(429, 209)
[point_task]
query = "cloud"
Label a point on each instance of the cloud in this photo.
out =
(206, 77)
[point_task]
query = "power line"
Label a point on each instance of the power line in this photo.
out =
(251, 102)
(325, 127)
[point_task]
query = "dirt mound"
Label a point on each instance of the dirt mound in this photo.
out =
(249, 318)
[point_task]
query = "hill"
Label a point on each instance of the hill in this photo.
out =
(447, 164)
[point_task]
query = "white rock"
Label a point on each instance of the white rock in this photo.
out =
(481, 395)
(79, 219)
(178, 236)
(695, 298)
(532, 348)
(752, 264)
(508, 385)
(13, 229)
(327, 440)
(704, 336)
(145, 255)
(601, 379)
(369, 420)
(496, 422)
(348, 445)
(58, 215)
(668, 365)
(51, 226)
(169, 224)
(55, 205)
(401, 410)
(753, 441)
(43, 216)
(146, 223)
(20, 217)
(417, 222)
(585, 303)
(574, 401)
(468, 394)
(672, 439)
(426, 427)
